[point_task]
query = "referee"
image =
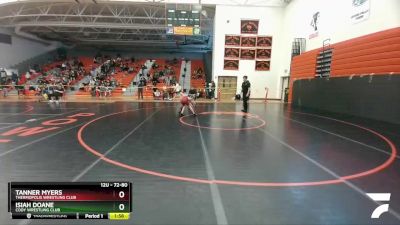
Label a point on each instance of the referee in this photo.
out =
(245, 93)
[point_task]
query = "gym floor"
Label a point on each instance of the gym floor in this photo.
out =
(275, 165)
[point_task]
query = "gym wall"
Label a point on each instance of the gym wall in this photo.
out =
(227, 22)
(352, 95)
(21, 49)
(364, 80)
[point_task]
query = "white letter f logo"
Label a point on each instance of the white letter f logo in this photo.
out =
(384, 197)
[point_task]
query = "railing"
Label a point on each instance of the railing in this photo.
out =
(37, 91)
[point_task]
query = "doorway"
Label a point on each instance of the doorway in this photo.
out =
(228, 86)
(285, 88)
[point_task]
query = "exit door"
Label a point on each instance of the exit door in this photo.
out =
(285, 88)
(228, 86)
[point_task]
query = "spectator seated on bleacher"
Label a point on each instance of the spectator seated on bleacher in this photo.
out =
(14, 78)
(198, 74)
(193, 93)
(177, 89)
(157, 94)
(3, 76)
(154, 66)
(6, 87)
(155, 80)
(131, 70)
(27, 75)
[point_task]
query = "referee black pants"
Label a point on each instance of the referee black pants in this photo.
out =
(245, 103)
(140, 92)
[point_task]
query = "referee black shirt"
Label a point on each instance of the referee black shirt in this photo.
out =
(245, 88)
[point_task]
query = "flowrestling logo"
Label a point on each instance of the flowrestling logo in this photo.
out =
(379, 197)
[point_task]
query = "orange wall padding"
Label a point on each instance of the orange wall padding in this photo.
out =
(377, 53)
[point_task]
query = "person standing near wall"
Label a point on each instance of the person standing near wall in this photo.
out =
(3, 76)
(245, 93)
(212, 91)
(141, 86)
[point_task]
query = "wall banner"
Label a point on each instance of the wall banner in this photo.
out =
(247, 53)
(249, 41)
(263, 53)
(264, 41)
(262, 65)
(232, 40)
(249, 26)
(232, 53)
(231, 64)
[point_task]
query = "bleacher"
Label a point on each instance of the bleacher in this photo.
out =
(125, 80)
(46, 68)
(162, 63)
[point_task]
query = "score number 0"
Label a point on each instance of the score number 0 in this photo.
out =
(121, 206)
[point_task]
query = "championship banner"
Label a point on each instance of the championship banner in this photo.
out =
(264, 41)
(247, 54)
(360, 10)
(232, 40)
(262, 65)
(249, 26)
(183, 30)
(232, 53)
(231, 64)
(263, 53)
(249, 41)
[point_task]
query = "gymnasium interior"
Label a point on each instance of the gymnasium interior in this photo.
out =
(200, 112)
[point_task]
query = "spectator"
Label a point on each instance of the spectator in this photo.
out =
(157, 95)
(212, 90)
(155, 80)
(207, 90)
(167, 80)
(173, 80)
(177, 89)
(141, 85)
(14, 78)
(3, 76)
(28, 75)
(58, 92)
(165, 94)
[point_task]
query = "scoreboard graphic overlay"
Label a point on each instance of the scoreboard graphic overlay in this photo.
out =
(80, 200)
